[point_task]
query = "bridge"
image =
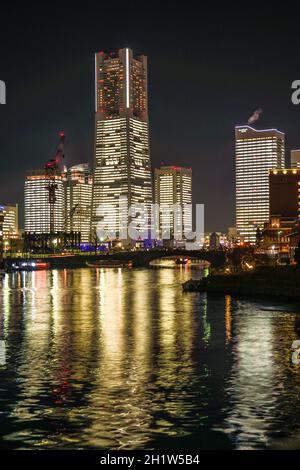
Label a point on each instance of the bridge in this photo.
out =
(140, 259)
(144, 258)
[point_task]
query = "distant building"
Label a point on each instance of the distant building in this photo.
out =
(232, 236)
(10, 221)
(295, 158)
(214, 241)
(275, 239)
(173, 185)
(256, 152)
(285, 193)
(78, 200)
(36, 203)
(122, 156)
(10, 236)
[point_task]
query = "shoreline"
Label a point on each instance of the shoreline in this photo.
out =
(266, 282)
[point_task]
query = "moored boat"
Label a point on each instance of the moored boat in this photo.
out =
(29, 265)
(109, 263)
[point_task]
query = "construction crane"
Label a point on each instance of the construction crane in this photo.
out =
(51, 168)
(70, 216)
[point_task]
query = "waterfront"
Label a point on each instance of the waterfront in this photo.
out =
(116, 358)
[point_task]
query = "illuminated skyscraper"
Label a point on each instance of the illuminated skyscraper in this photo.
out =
(256, 152)
(122, 158)
(37, 208)
(10, 221)
(78, 200)
(173, 185)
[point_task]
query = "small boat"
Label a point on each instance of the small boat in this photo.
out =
(30, 265)
(109, 263)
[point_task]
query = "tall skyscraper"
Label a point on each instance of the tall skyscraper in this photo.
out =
(78, 200)
(295, 158)
(256, 151)
(122, 158)
(173, 185)
(37, 208)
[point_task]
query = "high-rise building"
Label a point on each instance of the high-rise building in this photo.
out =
(37, 208)
(10, 226)
(78, 200)
(256, 151)
(122, 158)
(173, 185)
(295, 158)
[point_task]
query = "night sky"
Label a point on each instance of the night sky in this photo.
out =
(208, 71)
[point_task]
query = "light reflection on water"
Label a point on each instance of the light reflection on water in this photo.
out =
(117, 358)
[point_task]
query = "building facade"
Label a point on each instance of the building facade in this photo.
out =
(275, 235)
(256, 152)
(78, 200)
(36, 203)
(285, 192)
(122, 158)
(10, 225)
(173, 185)
(295, 158)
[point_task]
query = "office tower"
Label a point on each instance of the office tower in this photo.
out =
(295, 158)
(285, 193)
(10, 225)
(173, 185)
(37, 208)
(78, 200)
(256, 151)
(122, 158)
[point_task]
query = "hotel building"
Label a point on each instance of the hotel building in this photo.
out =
(37, 208)
(78, 200)
(256, 152)
(173, 185)
(122, 158)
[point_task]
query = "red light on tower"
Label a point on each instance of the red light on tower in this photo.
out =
(62, 134)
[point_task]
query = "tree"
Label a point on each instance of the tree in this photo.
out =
(259, 237)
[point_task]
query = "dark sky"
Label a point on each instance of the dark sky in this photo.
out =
(208, 71)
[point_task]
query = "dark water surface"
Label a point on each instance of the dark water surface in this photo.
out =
(124, 359)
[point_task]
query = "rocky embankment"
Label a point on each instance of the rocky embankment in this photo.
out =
(278, 282)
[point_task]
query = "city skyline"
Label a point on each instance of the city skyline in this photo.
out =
(121, 108)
